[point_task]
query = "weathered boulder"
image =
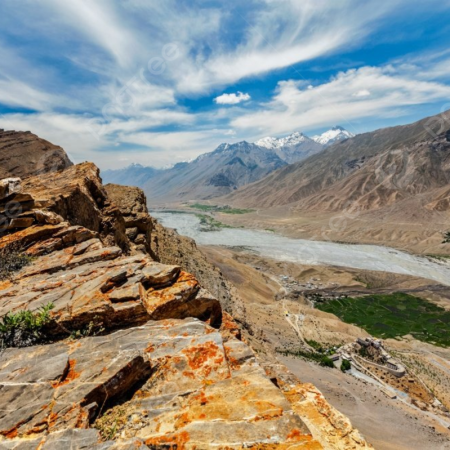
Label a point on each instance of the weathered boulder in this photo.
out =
(23, 154)
(132, 203)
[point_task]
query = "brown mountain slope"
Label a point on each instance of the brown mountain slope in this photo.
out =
(23, 154)
(367, 172)
(421, 169)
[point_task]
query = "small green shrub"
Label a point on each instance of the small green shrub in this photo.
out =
(345, 365)
(446, 238)
(363, 352)
(24, 328)
(92, 329)
(322, 360)
(208, 223)
(316, 346)
(220, 209)
(325, 361)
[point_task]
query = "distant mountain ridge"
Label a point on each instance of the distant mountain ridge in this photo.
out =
(228, 168)
(407, 166)
(213, 174)
(133, 175)
(220, 172)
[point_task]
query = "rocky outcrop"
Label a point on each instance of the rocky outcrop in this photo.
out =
(23, 154)
(88, 282)
(167, 246)
(133, 205)
(137, 354)
(75, 195)
(331, 428)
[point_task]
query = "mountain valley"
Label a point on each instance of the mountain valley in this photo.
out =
(225, 169)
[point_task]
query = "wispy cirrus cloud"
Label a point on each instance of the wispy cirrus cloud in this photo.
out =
(345, 97)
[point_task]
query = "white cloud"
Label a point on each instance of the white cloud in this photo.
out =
(232, 99)
(174, 147)
(362, 93)
(100, 23)
(17, 93)
(334, 102)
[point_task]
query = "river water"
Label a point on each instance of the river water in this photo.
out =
(272, 245)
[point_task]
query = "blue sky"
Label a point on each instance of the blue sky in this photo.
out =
(158, 82)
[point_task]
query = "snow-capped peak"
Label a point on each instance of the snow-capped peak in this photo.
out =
(267, 142)
(334, 135)
(289, 141)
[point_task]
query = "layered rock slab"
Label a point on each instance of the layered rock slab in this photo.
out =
(78, 197)
(182, 390)
(86, 281)
(75, 439)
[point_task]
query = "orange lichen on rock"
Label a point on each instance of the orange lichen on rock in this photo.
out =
(69, 376)
(199, 355)
(229, 328)
(52, 418)
(11, 434)
(295, 435)
(171, 442)
(5, 285)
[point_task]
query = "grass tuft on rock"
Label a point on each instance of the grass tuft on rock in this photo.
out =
(24, 328)
(110, 424)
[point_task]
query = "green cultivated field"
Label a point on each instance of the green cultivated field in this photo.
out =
(208, 223)
(394, 316)
(220, 209)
